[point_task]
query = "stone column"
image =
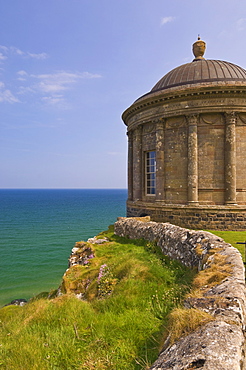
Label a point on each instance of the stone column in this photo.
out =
(160, 147)
(130, 165)
(137, 164)
(230, 158)
(192, 159)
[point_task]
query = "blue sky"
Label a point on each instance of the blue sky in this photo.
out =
(69, 68)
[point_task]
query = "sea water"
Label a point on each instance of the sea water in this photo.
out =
(38, 229)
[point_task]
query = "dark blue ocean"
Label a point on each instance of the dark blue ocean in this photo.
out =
(40, 227)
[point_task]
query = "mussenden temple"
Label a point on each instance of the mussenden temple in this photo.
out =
(187, 146)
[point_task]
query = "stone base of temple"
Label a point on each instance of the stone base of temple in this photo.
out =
(222, 217)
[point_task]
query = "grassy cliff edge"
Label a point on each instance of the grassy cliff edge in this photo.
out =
(110, 312)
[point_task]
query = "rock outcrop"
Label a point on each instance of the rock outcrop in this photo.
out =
(220, 291)
(17, 302)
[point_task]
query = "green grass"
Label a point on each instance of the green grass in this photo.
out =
(233, 237)
(118, 326)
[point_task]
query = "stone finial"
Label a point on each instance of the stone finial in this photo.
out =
(199, 48)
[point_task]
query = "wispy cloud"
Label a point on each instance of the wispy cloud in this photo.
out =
(60, 81)
(2, 57)
(22, 75)
(241, 24)
(51, 87)
(55, 100)
(12, 50)
(37, 56)
(166, 20)
(6, 95)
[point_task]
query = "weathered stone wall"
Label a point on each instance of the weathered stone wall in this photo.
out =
(194, 217)
(219, 344)
(175, 160)
(211, 158)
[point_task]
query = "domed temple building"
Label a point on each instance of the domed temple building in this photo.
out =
(187, 146)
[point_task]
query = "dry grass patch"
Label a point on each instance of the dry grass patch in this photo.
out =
(216, 271)
(183, 321)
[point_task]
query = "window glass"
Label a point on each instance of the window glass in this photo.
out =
(150, 168)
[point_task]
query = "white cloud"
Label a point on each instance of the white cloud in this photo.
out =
(241, 24)
(60, 81)
(6, 95)
(2, 57)
(25, 54)
(25, 89)
(51, 87)
(23, 75)
(37, 56)
(54, 100)
(4, 48)
(165, 20)
(16, 51)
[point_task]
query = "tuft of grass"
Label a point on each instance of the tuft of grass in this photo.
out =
(183, 321)
(216, 271)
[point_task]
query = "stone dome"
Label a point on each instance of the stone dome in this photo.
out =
(201, 71)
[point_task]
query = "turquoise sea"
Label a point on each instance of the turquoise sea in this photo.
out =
(40, 227)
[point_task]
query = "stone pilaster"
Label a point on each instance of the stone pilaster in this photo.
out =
(230, 158)
(137, 164)
(192, 159)
(130, 165)
(160, 150)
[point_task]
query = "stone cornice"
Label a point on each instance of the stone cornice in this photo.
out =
(152, 100)
(200, 207)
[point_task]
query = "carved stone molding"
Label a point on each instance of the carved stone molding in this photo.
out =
(241, 118)
(230, 117)
(148, 127)
(176, 122)
(192, 119)
(159, 123)
(215, 96)
(211, 119)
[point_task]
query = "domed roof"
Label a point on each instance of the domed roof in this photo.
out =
(201, 70)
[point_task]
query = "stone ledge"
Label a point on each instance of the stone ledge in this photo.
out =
(196, 217)
(220, 344)
(214, 346)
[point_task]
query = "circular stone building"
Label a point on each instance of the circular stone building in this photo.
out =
(187, 146)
